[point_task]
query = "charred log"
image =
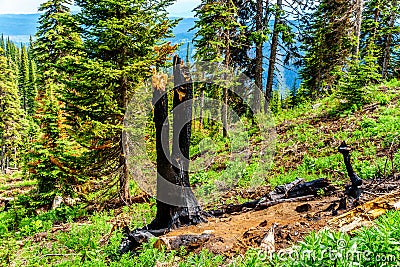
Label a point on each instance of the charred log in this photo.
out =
(345, 151)
(297, 190)
(189, 242)
(232, 208)
(342, 203)
(315, 187)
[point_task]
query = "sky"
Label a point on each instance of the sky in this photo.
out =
(182, 8)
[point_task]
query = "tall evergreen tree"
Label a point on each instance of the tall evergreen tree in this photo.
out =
(119, 39)
(379, 27)
(328, 43)
(2, 45)
(248, 51)
(11, 116)
(274, 50)
(359, 19)
(50, 160)
(217, 37)
(23, 82)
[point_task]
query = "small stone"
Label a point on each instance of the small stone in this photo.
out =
(303, 208)
(57, 202)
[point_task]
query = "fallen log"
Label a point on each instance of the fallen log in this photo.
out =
(188, 241)
(267, 204)
(315, 187)
(282, 191)
(298, 190)
(364, 214)
(234, 208)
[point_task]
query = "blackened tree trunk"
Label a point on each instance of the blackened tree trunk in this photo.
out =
(176, 203)
(272, 58)
(345, 150)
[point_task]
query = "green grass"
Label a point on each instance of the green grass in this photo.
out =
(374, 246)
(26, 183)
(318, 129)
(373, 135)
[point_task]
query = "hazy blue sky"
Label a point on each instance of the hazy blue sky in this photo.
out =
(182, 8)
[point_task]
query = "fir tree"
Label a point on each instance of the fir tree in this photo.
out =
(23, 82)
(2, 45)
(379, 27)
(217, 36)
(328, 43)
(11, 116)
(353, 84)
(119, 40)
(51, 158)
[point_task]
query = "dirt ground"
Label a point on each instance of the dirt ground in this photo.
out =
(235, 233)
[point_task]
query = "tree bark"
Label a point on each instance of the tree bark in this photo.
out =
(388, 44)
(225, 89)
(360, 7)
(15, 158)
(259, 57)
(2, 161)
(124, 192)
(225, 113)
(124, 175)
(272, 58)
(201, 109)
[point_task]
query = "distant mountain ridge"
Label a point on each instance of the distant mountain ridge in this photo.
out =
(19, 27)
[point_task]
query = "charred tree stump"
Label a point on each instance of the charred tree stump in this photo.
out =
(176, 203)
(352, 190)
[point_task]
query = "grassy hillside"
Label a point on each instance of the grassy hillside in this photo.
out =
(308, 137)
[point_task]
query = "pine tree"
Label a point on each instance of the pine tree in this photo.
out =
(353, 84)
(328, 43)
(119, 40)
(379, 27)
(2, 45)
(11, 116)
(51, 158)
(32, 87)
(23, 83)
(274, 50)
(217, 37)
(253, 16)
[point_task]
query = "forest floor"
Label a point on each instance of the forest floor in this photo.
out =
(237, 232)
(308, 137)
